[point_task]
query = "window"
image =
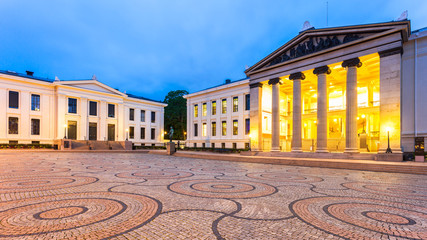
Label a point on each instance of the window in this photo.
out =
(35, 102)
(131, 132)
(196, 128)
(224, 128)
(203, 145)
(153, 133)
(204, 129)
(72, 105)
(35, 142)
(196, 110)
(131, 114)
(235, 104)
(247, 126)
(213, 107)
(246, 145)
(153, 117)
(93, 108)
(195, 145)
(224, 106)
(35, 126)
(213, 145)
(213, 129)
(13, 99)
(142, 133)
(234, 145)
(235, 127)
(204, 109)
(247, 102)
(222, 145)
(111, 110)
(142, 115)
(13, 125)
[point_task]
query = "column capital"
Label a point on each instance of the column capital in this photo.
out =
(274, 81)
(389, 52)
(255, 85)
(322, 70)
(354, 62)
(297, 76)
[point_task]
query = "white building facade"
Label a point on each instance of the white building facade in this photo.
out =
(38, 110)
(218, 117)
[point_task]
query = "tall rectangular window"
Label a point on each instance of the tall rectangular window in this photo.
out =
(35, 126)
(153, 117)
(213, 129)
(131, 114)
(142, 133)
(72, 105)
(196, 130)
(111, 110)
(93, 108)
(153, 134)
(247, 102)
(204, 109)
(213, 107)
(235, 127)
(142, 115)
(247, 126)
(204, 129)
(35, 102)
(235, 104)
(131, 132)
(13, 99)
(196, 110)
(13, 125)
(224, 106)
(224, 128)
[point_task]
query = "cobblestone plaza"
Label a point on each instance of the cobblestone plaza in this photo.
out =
(51, 195)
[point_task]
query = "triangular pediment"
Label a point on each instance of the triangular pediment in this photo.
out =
(92, 85)
(313, 41)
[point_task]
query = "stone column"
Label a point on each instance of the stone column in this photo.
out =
(351, 145)
(322, 108)
(296, 112)
(255, 117)
(275, 114)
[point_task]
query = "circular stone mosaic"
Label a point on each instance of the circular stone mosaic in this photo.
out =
(354, 217)
(155, 174)
(222, 188)
(394, 190)
(42, 183)
(24, 171)
(283, 177)
(116, 168)
(95, 215)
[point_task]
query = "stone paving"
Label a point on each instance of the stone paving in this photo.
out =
(53, 195)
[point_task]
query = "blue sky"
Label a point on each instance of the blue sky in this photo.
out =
(152, 47)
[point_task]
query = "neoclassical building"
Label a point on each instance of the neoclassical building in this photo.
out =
(39, 110)
(340, 89)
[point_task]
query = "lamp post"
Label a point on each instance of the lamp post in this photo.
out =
(65, 131)
(388, 142)
(127, 132)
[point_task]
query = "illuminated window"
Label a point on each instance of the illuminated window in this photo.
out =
(213, 129)
(35, 102)
(234, 145)
(213, 107)
(235, 127)
(247, 126)
(224, 128)
(204, 129)
(131, 132)
(204, 110)
(196, 110)
(224, 106)
(235, 104)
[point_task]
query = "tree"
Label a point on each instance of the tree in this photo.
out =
(176, 113)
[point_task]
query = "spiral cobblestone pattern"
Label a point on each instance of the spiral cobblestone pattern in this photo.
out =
(59, 195)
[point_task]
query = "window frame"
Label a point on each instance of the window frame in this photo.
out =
(204, 109)
(31, 127)
(153, 117)
(131, 114)
(224, 106)
(141, 115)
(142, 133)
(114, 110)
(247, 126)
(9, 99)
(76, 106)
(196, 110)
(236, 104)
(247, 102)
(213, 129)
(235, 127)
(90, 108)
(32, 103)
(196, 129)
(153, 133)
(224, 128)
(131, 132)
(213, 105)
(8, 125)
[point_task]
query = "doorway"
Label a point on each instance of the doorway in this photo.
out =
(93, 131)
(111, 132)
(72, 130)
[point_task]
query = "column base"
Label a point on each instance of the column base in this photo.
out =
(275, 149)
(351, 150)
(296, 150)
(320, 150)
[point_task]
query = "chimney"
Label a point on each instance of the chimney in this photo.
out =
(29, 73)
(227, 81)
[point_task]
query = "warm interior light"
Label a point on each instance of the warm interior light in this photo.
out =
(335, 120)
(358, 118)
(315, 121)
(315, 95)
(363, 116)
(65, 125)
(388, 129)
(127, 129)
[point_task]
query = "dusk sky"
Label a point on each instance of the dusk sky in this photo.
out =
(152, 47)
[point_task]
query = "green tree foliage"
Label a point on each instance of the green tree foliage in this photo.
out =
(176, 114)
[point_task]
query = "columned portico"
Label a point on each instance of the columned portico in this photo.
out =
(351, 105)
(296, 112)
(275, 114)
(256, 116)
(322, 108)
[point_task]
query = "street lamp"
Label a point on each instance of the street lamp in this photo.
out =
(127, 132)
(65, 131)
(388, 142)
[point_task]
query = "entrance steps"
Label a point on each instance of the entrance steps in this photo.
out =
(97, 145)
